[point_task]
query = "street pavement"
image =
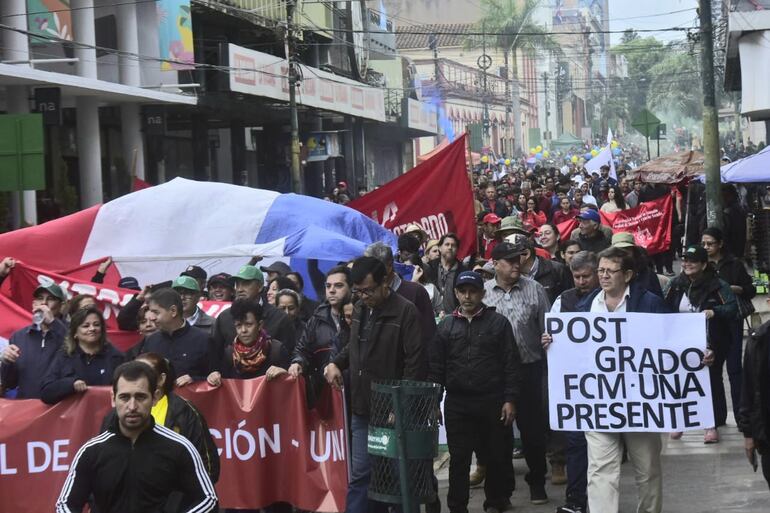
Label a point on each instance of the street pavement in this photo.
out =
(696, 478)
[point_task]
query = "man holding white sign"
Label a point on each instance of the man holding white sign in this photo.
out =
(624, 378)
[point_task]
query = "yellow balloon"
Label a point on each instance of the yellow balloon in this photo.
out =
(574, 159)
(546, 154)
(538, 149)
(594, 153)
(485, 159)
(532, 150)
(507, 162)
(614, 144)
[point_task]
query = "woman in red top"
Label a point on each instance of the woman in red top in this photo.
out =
(532, 215)
(565, 213)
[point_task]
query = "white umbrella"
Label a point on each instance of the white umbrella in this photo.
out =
(754, 168)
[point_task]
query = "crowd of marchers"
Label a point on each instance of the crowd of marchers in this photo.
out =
(475, 327)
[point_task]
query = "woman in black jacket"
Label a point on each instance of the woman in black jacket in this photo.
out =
(86, 358)
(732, 271)
(699, 289)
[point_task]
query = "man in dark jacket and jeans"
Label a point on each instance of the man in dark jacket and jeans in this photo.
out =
(477, 362)
(754, 413)
(385, 344)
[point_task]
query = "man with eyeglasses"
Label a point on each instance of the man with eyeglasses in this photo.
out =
(190, 291)
(384, 344)
(524, 302)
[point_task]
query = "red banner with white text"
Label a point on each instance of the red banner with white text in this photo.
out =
(272, 448)
(436, 195)
(650, 223)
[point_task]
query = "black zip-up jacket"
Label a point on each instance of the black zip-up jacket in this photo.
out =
(65, 369)
(184, 418)
(394, 349)
(754, 412)
(320, 342)
(553, 276)
(137, 478)
(477, 359)
(189, 349)
(731, 270)
(38, 350)
(276, 323)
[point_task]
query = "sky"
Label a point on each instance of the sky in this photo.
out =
(636, 14)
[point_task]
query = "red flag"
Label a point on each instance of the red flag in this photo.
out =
(566, 228)
(435, 195)
(650, 222)
(139, 184)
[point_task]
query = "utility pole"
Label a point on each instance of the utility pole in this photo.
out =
(545, 88)
(710, 121)
(297, 184)
(433, 45)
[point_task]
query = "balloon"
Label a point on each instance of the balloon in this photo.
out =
(507, 162)
(614, 144)
(538, 155)
(587, 156)
(594, 153)
(501, 161)
(574, 159)
(539, 149)
(485, 159)
(546, 154)
(616, 151)
(532, 151)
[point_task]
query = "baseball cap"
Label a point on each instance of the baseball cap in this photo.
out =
(282, 268)
(513, 224)
(186, 282)
(590, 215)
(248, 273)
(53, 289)
(129, 282)
(196, 272)
(623, 240)
(469, 278)
(492, 218)
(695, 254)
(508, 250)
(221, 279)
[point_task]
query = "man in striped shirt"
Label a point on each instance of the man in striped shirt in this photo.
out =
(136, 465)
(524, 303)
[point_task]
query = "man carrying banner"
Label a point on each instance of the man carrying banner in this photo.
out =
(482, 389)
(619, 293)
(136, 464)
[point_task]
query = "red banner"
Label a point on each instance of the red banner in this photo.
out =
(435, 195)
(650, 222)
(272, 448)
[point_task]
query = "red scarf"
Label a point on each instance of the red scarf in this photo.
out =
(250, 358)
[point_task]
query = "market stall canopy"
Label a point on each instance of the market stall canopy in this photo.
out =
(567, 140)
(751, 169)
(671, 168)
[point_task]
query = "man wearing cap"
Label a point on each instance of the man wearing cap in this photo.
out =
(249, 282)
(549, 273)
(188, 290)
(482, 388)
(275, 270)
(220, 287)
(589, 234)
(487, 239)
(198, 273)
(524, 302)
(513, 229)
(31, 349)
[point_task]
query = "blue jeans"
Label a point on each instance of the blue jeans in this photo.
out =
(577, 468)
(360, 467)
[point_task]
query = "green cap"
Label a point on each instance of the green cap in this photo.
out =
(249, 273)
(186, 282)
(53, 289)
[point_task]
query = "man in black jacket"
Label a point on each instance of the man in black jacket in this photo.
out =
(135, 465)
(385, 344)
(249, 283)
(445, 269)
(477, 362)
(754, 413)
(552, 275)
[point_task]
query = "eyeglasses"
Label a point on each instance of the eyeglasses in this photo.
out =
(609, 272)
(369, 291)
(708, 244)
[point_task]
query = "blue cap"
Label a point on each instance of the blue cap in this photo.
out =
(469, 278)
(590, 215)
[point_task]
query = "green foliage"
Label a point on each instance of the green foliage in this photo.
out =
(667, 93)
(506, 20)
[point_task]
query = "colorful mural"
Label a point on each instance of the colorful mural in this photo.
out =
(176, 36)
(49, 19)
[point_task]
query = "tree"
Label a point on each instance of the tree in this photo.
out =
(667, 92)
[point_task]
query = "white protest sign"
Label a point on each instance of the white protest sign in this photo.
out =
(618, 372)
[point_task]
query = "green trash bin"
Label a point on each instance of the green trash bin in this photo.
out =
(403, 442)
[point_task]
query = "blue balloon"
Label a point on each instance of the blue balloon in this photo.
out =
(538, 156)
(501, 162)
(587, 156)
(616, 151)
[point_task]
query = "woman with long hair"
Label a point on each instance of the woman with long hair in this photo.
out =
(615, 201)
(548, 238)
(86, 358)
(533, 216)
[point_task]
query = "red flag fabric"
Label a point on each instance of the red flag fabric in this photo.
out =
(138, 184)
(12, 317)
(265, 434)
(436, 195)
(566, 228)
(650, 222)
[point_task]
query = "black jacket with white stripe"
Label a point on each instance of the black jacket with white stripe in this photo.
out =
(116, 476)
